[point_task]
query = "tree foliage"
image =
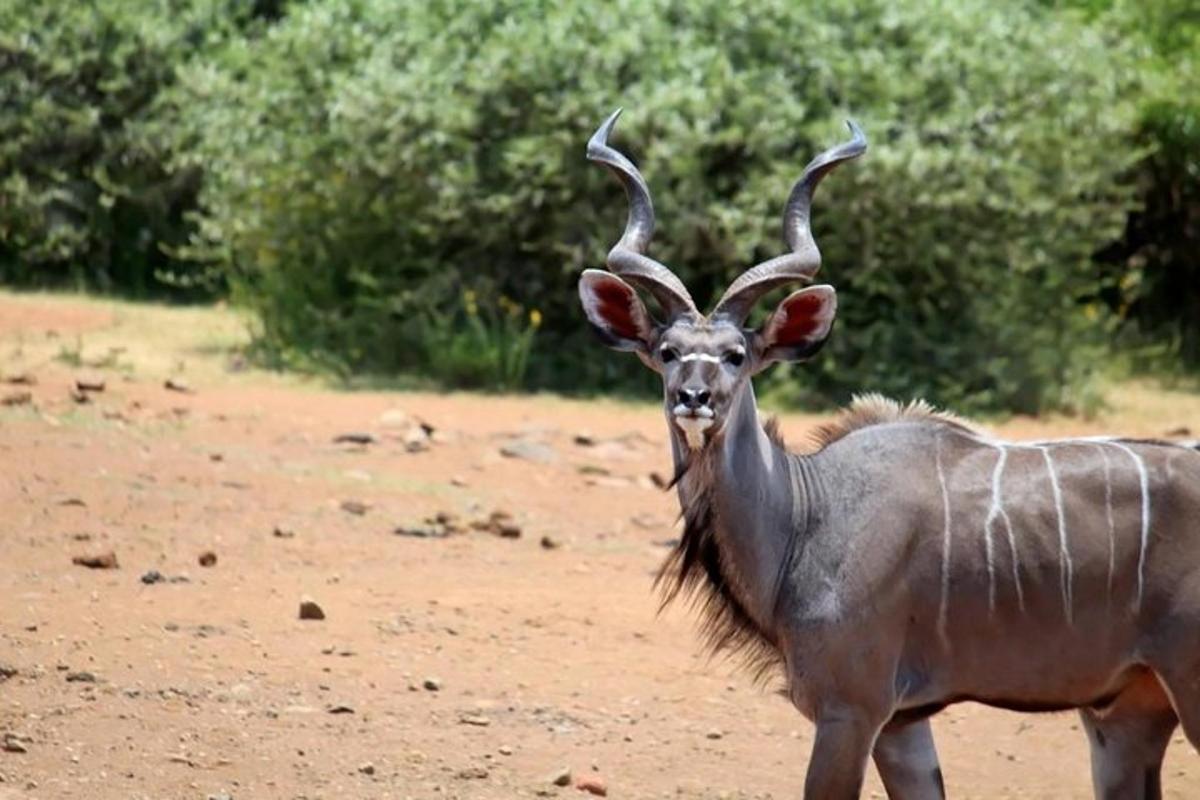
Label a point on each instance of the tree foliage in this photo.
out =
(367, 161)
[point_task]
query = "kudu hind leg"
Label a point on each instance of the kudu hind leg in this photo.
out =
(907, 761)
(1128, 740)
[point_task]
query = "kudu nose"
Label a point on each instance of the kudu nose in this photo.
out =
(694, 398)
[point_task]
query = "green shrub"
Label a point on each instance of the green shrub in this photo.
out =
(367, 161)
(86, 195)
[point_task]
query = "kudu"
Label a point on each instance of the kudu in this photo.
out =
(912, 561)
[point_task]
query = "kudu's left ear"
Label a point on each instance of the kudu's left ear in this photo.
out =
(615, 311)
(799, 325)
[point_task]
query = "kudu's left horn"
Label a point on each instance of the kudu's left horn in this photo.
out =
(627, 257)
(804, 259)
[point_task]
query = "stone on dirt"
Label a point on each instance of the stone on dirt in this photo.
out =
(152, 577)
(20, 398)
(367, 768)
(207, 559)
(473, 773)
(562, 777)
(81, 676)
(592, 784)
(550, 543)
(432, 684)
(478, 720)
(97, 561)
(355, 507)
(354, 438)
(529, 450)
(282, 533)
(90, 383)
(15, 743)
(309, 610)
(177, 385)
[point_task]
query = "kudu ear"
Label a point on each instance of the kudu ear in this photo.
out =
(799, 325)
(615, 311)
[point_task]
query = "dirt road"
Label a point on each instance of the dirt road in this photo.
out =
(478, 664)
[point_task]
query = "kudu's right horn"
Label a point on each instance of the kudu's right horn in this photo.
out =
(627, 257)
(804, 259)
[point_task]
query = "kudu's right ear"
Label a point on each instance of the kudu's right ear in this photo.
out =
(615, 311)
(799, 325)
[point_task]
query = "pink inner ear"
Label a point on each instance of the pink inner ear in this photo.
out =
(613, 304)
(803, 318)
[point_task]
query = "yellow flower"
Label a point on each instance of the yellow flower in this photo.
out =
(535, 318)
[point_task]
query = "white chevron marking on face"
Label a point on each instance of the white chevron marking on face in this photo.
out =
(1064, 553)
(1144, 478)
(701, 357)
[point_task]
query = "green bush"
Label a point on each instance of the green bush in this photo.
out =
(367, 161)
(86, 194)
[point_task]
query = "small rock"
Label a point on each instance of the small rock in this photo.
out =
(473, 773)
(367, 768)
(417, 438)
(550, 543)
(152, 577)
(432, 685)
(504, 750)
(21, 379)
(584, 440)
(15, 743)
(592, 784)
(340, 709)
(90, 383)
(478, 720)
(1176, 433)
(355, 507)
(354, 438)
(421, 531)
(459, 481)
(8, 671)
(561, 778)
(21, 398)
(310, 610)
(99, 561)
(658, 480)
(177, 385)
(714, 734)
(207, 559)
(81, 677)
(81, 398)
(282, 533)
(529, 450)
(221, 796)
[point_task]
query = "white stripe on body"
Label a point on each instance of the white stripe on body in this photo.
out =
(1064, 553)
(943, 611)
(1144, 479)
(997, 512)
(1108, 509)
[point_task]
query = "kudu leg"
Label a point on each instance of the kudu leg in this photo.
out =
(1128, 741)
(839, 757)
(907, 761)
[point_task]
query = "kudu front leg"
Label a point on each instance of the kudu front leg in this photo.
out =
(1128, 741)
(839, 756)
(907, 761)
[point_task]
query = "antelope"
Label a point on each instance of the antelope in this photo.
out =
(911, 561)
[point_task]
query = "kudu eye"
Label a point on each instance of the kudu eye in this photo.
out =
(734, 357)
(668, 354)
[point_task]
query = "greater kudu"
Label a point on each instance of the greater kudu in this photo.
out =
(912, 561)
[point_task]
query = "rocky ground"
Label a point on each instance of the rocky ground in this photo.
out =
(224, 584)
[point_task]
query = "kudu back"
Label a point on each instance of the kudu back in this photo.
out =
(912, 561)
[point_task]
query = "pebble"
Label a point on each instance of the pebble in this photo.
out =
(549, 543)
(473, 773)
(561, 778)
(354, 438)
(18, 398)
(478, 720)
(504, 750)
(355, 507)
(367, 768)
(90, 383)
(529, 450)
(310, 610)
(177, 385)
(81, 677)
(98, 561)
(432, 685)
(15, 743)
(714, 734)
(592, 784)
(283, 533)
(151, 577)
(208, 559)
